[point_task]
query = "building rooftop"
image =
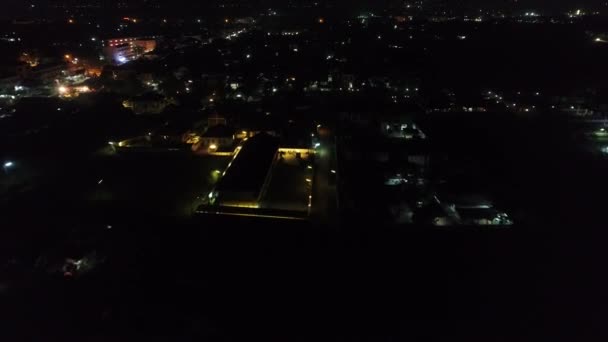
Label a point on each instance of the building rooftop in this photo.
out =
(248, 170)
(219, 131)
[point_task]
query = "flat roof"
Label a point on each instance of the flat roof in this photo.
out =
(248, 170)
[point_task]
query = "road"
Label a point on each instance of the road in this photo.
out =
(324, 194)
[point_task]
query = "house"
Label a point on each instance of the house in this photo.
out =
(150, 103)
(216, 138)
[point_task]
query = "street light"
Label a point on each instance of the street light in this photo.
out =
(7, 165)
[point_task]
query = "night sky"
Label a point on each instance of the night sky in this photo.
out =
(537, 4)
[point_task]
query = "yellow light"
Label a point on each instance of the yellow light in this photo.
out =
(71, 21)
(226, 20)
(68, 56)
(213, 147)
(62, 89)
(321, 20)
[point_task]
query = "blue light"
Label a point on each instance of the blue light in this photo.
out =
(121, 59)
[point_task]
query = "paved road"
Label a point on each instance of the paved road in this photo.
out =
(324, 194)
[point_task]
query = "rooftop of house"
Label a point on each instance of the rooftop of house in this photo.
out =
(219, 131)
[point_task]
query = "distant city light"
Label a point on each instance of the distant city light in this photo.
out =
(62, 89)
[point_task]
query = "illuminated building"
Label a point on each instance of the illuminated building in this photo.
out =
(123, 50)
(243, 182)
(219, 136)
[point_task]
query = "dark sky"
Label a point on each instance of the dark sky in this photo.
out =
(552, 5)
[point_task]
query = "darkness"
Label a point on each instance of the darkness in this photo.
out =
(423, 170)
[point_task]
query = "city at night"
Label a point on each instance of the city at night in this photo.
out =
(303, 170)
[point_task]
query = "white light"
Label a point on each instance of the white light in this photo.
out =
(333, 171)
(248, 56)
(317, 145)
(8, 164)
